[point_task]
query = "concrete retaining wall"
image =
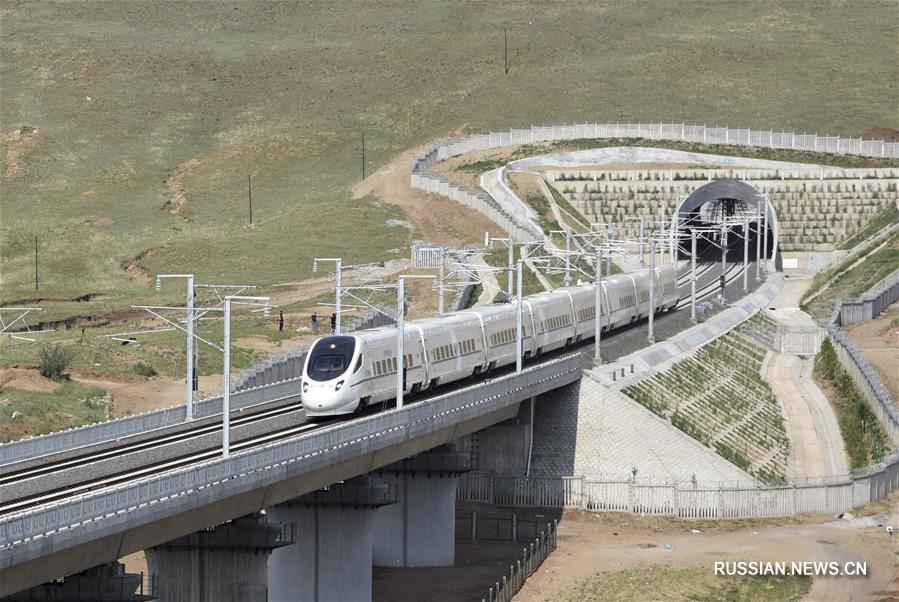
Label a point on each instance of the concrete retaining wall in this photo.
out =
(521, 229)
(869, 306)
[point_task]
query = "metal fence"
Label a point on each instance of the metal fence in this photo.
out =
(531, 559)
(684, 132)
(865, 377)
(690, 500)
(142, 500)
(474, 526)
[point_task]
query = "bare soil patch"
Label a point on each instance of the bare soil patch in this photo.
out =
(591, 543)
(20, 143)
(137, 272)
(878, 340)
(27, 379)
(439, 220)
(887, 134)
(135, 394)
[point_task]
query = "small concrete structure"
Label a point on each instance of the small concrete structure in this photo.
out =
(332, 558)
(419, 530)
(223, 564)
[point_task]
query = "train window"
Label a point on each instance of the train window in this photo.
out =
(358, 365)
(330, 357)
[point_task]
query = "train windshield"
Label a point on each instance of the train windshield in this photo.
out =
(331, 357)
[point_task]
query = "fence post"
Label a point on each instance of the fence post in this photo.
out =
(514, 527)
(474, 526)
(555, 532)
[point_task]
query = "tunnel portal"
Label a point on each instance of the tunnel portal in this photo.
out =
(708, 204)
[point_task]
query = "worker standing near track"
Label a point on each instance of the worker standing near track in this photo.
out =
(314, 323)
(333, 323)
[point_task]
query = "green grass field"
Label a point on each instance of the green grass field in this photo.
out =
(853, 282)
(137, 105)
(128, 129)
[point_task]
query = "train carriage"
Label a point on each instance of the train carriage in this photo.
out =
(344, 373)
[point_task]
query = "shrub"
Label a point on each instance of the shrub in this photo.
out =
(54, 361)
(144, 369)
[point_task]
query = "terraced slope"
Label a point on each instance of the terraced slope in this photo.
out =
(718, 397)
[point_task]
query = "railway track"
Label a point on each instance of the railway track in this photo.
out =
(17, 504)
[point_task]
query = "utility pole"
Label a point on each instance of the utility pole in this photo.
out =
(400, 331)
(597, 319)
(693, 275)
(505, 51)
(226, 378)
(723, 259)
(652, 273)
(642, 262)
(765, 231)
(441, 280)
(567, 257)
(363, 154)
(36, 279)
(609, 257)
(337, 293)
(758, 244)
(519, 347)
(250, 197)
(226, 383)
(745, 254)
(511, 267)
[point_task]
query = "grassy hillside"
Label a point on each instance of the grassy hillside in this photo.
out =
(128, 129)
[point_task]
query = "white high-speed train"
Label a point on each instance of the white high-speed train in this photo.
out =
(345, 373)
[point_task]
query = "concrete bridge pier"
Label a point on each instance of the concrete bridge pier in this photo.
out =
(420, 530)
(222, 564)
(332, 557)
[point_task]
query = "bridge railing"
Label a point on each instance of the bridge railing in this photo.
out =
(177, 491)
(139, 423)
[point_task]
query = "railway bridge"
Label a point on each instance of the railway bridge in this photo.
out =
(332, 559)
(301, 496)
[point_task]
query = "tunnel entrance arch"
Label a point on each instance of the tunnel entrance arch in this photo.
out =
(709, 202)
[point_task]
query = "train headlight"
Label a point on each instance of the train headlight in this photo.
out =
(338, 385)
(305, 387)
